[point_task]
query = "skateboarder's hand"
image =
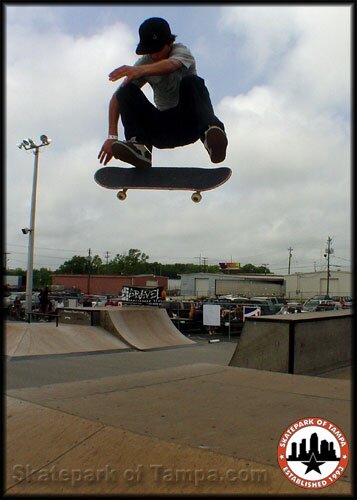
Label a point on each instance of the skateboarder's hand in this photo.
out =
(105, 154)
(130, 72)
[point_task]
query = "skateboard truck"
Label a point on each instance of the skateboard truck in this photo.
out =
(196, 197)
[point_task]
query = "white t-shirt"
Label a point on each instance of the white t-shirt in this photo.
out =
(166, 87)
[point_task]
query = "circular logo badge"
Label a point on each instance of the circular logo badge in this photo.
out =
(313, 453)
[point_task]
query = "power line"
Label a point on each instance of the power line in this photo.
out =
(45, 248)
(341, 258)
(42, 256)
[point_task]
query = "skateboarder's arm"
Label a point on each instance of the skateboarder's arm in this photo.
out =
(105, 154)
(161, 67)
(153, 69)
(113, 115)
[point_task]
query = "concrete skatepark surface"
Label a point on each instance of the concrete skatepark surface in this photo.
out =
(170, 421)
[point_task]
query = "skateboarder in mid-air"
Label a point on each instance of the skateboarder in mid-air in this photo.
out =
(183, 112)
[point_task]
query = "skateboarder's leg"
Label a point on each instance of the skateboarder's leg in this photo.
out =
(137, 112)
(198, 117)
(138, 115)
(189, 120)
(195, 102)
(143, 121)
(192, 119)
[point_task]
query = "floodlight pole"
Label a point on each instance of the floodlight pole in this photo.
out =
(328, 251)
(29, 274)
(30, 252)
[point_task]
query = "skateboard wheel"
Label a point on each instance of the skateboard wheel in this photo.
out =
(121, 195)
(196, 197)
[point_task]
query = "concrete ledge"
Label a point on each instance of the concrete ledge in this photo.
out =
(305, 343)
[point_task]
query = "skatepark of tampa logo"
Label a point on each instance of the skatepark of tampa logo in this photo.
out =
(313, 453)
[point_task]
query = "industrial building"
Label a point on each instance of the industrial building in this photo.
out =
(303, 286)
(106, 284)
(298, 286)
(210, 285)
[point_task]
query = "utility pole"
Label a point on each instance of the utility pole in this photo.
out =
(89, 270)
(265, 266)
(200, 261)
(290, 250)
(107, 257)
(328, 252)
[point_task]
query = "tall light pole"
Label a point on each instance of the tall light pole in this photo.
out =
(27, 145)
(89, 258)
(327, 254)
(289, 264)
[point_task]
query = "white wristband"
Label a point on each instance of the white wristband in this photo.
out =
(112, 137)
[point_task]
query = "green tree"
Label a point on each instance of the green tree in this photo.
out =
(137, 262)
(250, 268)
(174, 270)
(42, 277)
(134, 262)
(81, 265)
(16, 272)
(96, 264)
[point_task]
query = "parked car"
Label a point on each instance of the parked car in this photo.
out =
(320, 303)
(273, 301)
(310, 305)
(345, 301)
(230, 297)
(327, 305)
(321, 297)
(9, 300)
(99, 301)
(266, 306)
(291, 308)
(94, 300)
(114, 301)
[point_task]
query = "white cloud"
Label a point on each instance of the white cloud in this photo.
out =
(61, 81)
(301, 50)
(264, 35)
(291, 140)
(288, 142)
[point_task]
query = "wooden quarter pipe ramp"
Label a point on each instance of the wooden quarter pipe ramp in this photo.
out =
(34, 339)
(143, 328)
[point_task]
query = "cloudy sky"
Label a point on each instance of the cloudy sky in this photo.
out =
(279, 79)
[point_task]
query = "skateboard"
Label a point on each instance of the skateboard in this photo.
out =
(195, 179)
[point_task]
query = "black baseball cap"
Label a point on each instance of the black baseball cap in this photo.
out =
(154, 33)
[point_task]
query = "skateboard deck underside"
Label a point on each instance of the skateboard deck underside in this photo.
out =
(172, 178)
